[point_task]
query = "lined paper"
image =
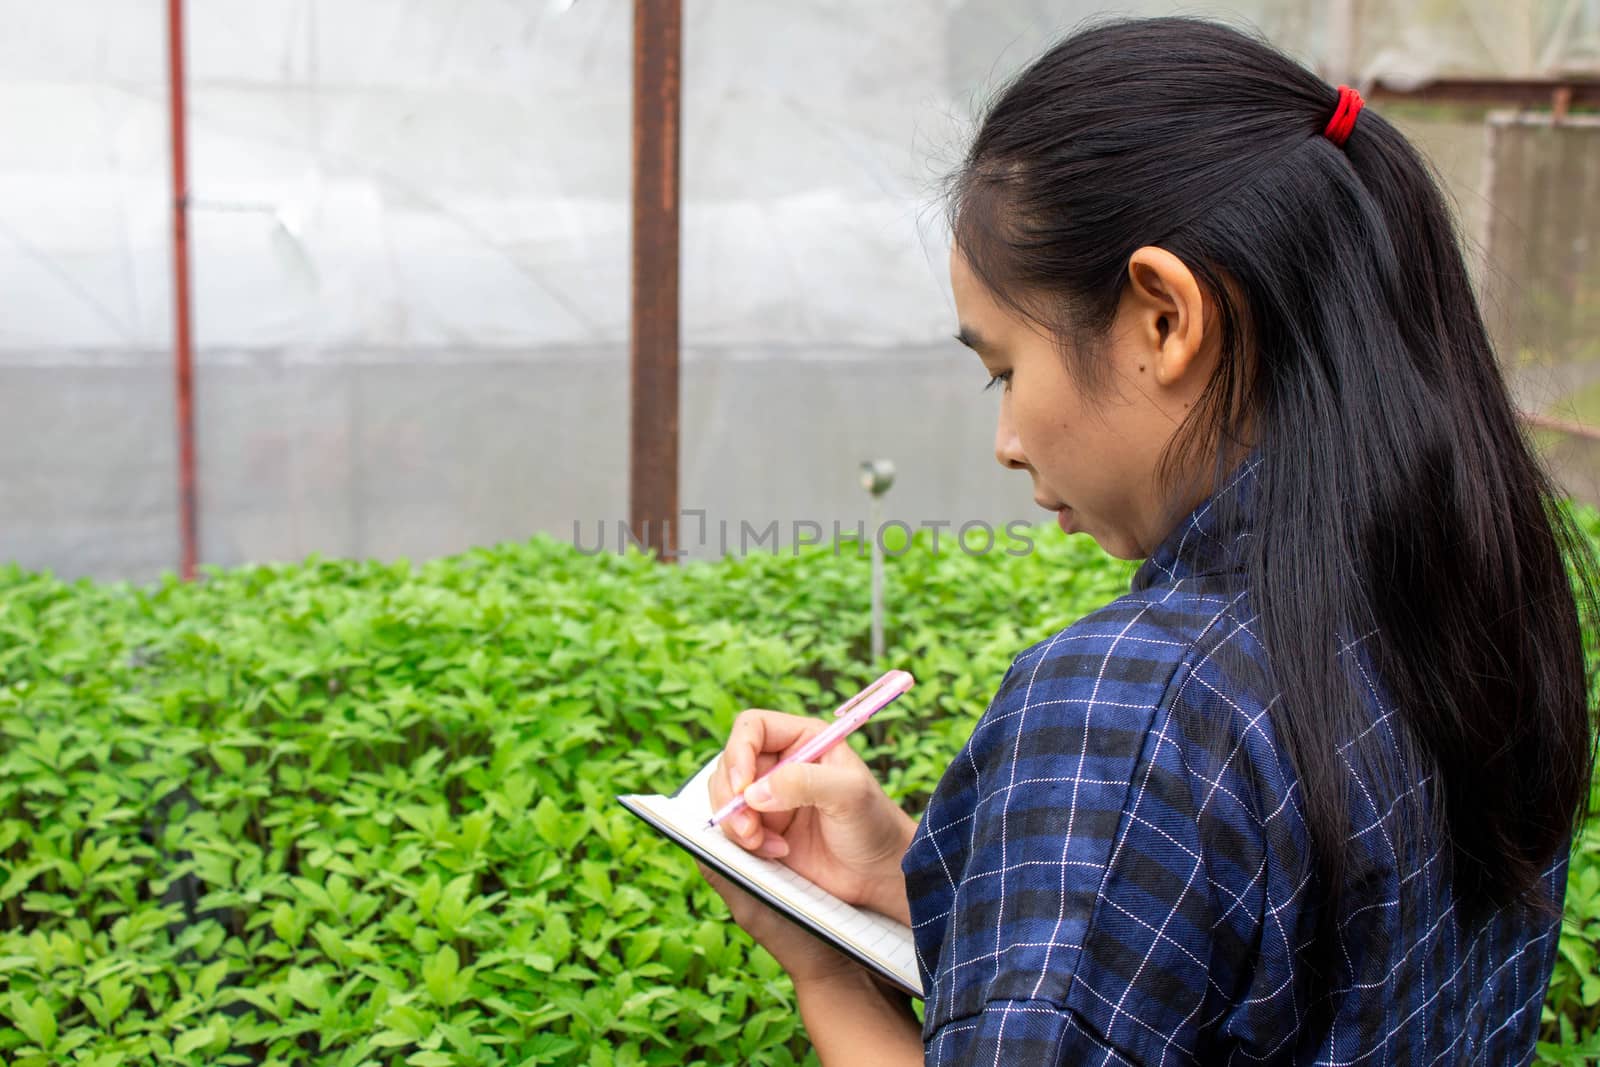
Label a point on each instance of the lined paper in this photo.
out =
(875, 937)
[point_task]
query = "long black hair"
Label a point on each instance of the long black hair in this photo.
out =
(1396, 498)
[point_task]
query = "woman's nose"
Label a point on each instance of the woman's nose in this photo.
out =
(1007, 449)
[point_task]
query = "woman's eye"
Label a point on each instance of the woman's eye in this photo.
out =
(996, 379)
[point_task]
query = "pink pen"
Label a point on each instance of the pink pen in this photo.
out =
(850, 715)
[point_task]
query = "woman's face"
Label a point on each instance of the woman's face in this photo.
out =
(1092, 455)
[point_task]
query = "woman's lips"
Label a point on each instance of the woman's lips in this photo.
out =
(1063, 514)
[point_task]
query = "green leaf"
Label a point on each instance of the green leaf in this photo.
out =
(452, 909)
(192, 1041)
(431, 1059)
(428, 895)
(642, 947)
(229, 760)
(409, 1022)
(546, 818)
(205, 983)
(35, 1019)
(439, 975)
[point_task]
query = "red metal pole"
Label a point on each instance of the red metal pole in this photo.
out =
(183, 339)
(653, 422)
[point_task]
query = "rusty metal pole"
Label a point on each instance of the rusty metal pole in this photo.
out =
(183, 345)
(653, 422)
(1495, 92)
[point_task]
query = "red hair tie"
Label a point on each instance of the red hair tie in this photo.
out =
(1344, 116)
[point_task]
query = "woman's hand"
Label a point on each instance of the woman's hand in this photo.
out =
(806, 957)
(849, 1014)
(829, 821)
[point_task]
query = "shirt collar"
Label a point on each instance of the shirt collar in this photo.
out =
(1210, 539)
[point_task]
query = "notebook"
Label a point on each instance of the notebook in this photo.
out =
(874, 940)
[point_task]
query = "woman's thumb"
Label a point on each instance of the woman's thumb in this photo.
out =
(831, 790)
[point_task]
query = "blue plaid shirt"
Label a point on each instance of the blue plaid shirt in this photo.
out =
(1112, 869)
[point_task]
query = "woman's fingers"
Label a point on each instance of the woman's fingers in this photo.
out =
(747, 825)
(835, 785)
(835, 791)
(772, 846)
(742, 827)
(757, 732)
(754, 745)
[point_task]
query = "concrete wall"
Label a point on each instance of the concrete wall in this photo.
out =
(410, 248)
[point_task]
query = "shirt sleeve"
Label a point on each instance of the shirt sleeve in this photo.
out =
(1081, 926)
(1021, 1031)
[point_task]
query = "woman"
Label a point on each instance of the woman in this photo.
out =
(1306, 793)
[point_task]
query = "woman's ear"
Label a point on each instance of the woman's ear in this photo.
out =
(1168, 316)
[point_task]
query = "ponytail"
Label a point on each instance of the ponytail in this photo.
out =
(1482, 646)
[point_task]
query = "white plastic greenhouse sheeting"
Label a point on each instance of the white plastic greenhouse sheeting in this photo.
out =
(410, 246)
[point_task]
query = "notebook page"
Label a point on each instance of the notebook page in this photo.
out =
(875, 936)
